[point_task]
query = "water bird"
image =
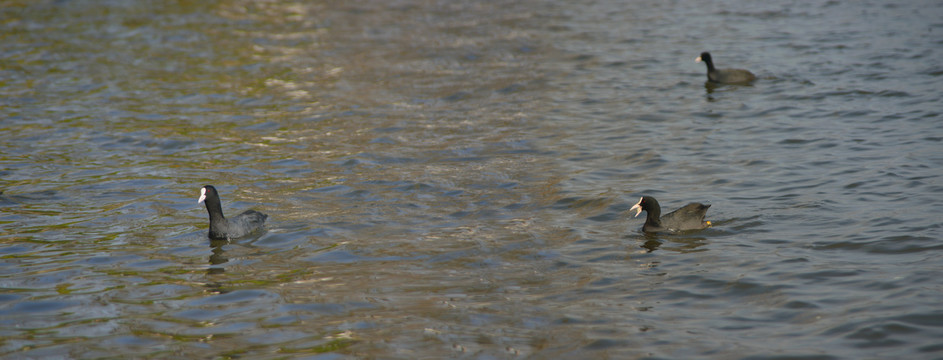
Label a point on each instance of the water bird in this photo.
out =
(222, 228)
(725, 76)
(688, 217)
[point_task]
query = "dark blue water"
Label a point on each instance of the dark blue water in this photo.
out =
(451, 180)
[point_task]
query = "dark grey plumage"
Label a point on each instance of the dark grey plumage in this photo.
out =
(688, 217)
(228, 228)
(726, 76)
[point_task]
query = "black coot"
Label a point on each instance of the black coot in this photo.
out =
(726, 76)
(689, 217)
(235, 227)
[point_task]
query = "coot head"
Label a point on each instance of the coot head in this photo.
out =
(649, 204)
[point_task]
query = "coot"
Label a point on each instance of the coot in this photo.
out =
(222, 228)
(726, 76)
(689, 217)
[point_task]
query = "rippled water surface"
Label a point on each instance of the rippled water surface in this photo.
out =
(450, 179)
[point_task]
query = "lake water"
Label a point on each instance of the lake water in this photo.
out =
(449, 179)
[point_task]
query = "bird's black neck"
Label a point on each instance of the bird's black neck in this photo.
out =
(215, 209)
(654, 217)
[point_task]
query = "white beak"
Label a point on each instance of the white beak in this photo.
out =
(638, 206)
(203, 196)
(697, 59)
